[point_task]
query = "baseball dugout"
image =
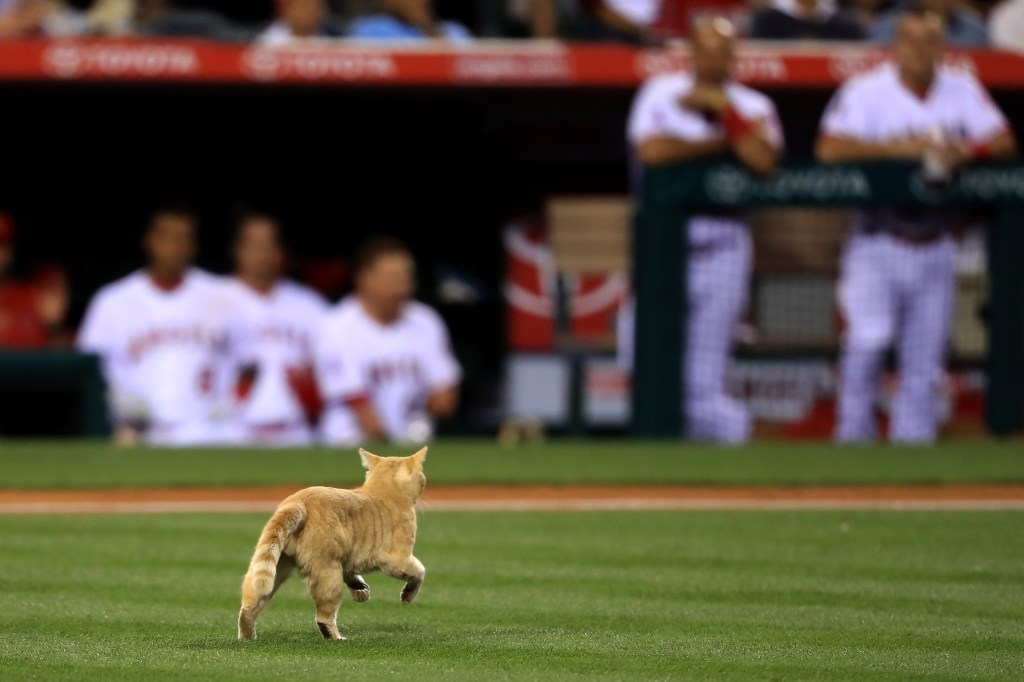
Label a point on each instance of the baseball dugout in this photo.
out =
(659, 274)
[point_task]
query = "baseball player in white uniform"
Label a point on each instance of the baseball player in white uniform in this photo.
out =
(897, 274)
(158, 334)
(384, 361)
(682, 117)
(271, 329)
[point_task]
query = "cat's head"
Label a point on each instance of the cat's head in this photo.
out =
(404, 473)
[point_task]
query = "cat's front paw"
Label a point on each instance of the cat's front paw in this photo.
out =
(410, 591)
(359, 589)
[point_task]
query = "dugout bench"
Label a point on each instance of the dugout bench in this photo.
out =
(672, 194)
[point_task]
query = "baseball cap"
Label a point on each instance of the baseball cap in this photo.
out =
(6, 228)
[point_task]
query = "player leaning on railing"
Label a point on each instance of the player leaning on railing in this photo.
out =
(678, 118)
(897, 271)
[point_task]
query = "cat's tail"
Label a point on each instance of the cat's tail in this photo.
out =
(259, 580)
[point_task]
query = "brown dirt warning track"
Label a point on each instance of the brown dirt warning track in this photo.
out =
(534, 498)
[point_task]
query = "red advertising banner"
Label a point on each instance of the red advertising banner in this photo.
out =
(481, 64)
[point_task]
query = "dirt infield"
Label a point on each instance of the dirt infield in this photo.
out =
(527, 498)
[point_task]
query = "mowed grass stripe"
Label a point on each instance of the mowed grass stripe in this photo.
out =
(534, 596)
(457, 462)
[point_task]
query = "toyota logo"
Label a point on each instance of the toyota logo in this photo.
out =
(63, 61)
(262, 64)
(727, 185)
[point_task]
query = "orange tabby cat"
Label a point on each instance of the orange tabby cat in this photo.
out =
(332, 535)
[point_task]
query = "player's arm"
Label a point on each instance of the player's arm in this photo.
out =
(750, 142)
(443, 402)
(341, 376)
(750, 139)
(988, 131)
(100, 334)
(1001, 146)
(367, 417)
(664, 150)
(654, 143)
(831, 148)
(442, 369)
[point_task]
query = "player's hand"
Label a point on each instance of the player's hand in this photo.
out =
(941, 160)
(910, 148)
(708, 99)
(953, 154)
(127, 436)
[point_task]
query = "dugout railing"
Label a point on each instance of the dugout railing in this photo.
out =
(32, 384)
(671, 194)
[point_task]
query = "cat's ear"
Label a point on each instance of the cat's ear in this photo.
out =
(369, 459)
(419, 456)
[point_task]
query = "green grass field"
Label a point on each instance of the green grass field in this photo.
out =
(99, 465)
(531, 596)
(724, 595)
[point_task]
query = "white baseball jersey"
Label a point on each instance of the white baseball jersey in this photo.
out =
(159, 350)
(272, 333)
(720, 250)
(656, 111)
(877, 107)
(394, 366)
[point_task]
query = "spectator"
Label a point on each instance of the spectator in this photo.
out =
(56, 18)
(1006, 25)
(866, 12)
(23, 18)
(166, 19)
(652, 21)
(300, 20)
(90, 18)
(683, 118)
(530, 19)
(406, 20)
(270, 340)
(384, 361)
(804, 20)
(896, 284)
(158, 333)
(964, 28)
(627, 21)
(30, 313)
(981, 8)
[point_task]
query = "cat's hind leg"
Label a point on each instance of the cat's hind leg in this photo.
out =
(409, 569)
(326, 587)
(357, 587)
(253, 602)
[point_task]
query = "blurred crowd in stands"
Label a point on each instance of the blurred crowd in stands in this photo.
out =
(971, 23)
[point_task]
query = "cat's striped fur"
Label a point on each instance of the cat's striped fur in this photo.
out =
(332, 535)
